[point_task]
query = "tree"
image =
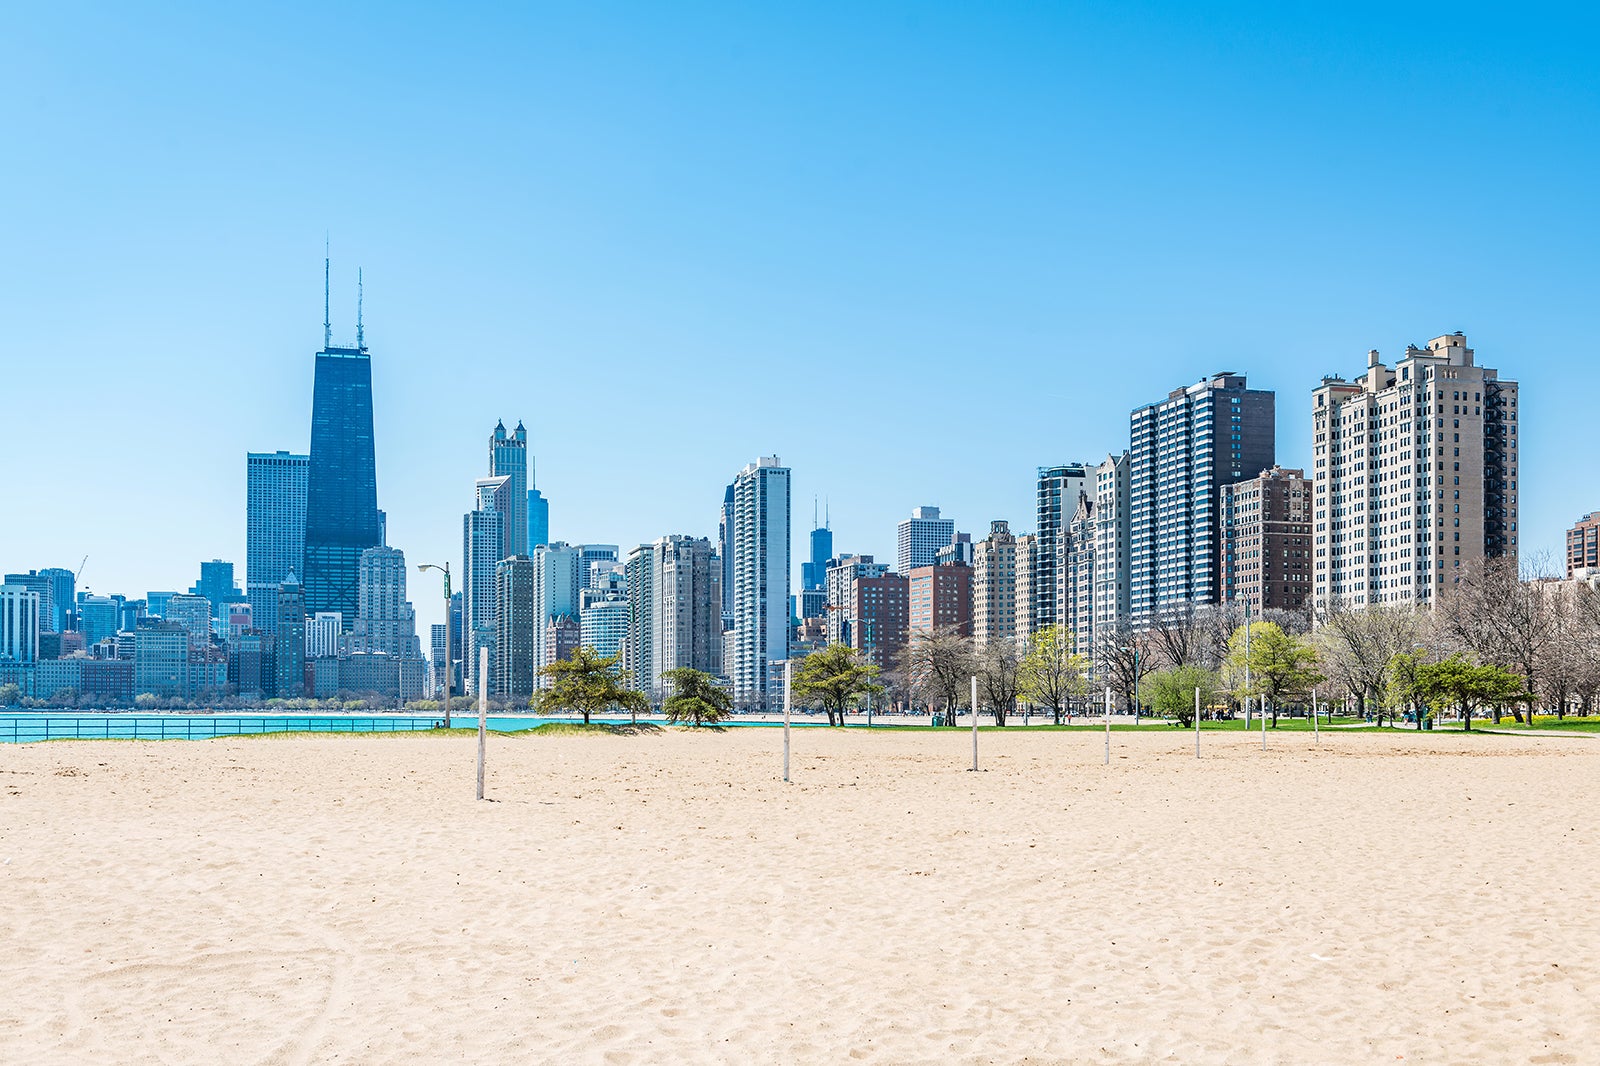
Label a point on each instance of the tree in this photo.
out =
(835, 678)
(940, 664)
(1467, 686)
(1282, 666)
(999, 676)
(1358, 646)
(9, 695)
(587, 682)
(1125, 659)
(1051, 673)
(1403, 680)
(1502, 619)
(1172, 691)
(696, 697)
(146, 701)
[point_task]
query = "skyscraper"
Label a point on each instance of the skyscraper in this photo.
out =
(44, 587)
(386, 623)
(216, 584)
(516, 628)
(589, 555)
(725, 553)
(920, 538)
(1415, 476)
(761, 539)
(482, 546)
(508, 457)
(1183, 450)
(871, 608)
(538, 519)
(342, 519)
(674, 591)
(19, 624)
(1057, 501)
(193, 613)
(64, 583)
(814, 571)
(289, 664)
(994, 585)
(1266, 540)
(555, 594)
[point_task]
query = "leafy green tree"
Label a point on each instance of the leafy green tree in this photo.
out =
(1402, 683)
(696, 697)
(835, 678)
(1172, 691)
(10, 695)
(1282, 666)
(1459, 682)
(1051, 673)
(587, 682)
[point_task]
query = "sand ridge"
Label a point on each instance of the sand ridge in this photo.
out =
(1413, 898)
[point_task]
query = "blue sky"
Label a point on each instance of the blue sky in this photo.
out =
(916, 250)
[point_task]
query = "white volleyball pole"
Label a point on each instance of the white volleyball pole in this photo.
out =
(788, 677)
(483, 710)
(1196, 723)
(1315, 732)
(1108, 725)
(974, 722)
(1263, 709)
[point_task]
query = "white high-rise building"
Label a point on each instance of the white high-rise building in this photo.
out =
(921, 537)
(274, 529)
(1057, 500)
(385, 623)
(555, 595)
(674, 594)
(483, 539)
(324, 632)
(1414, 476)
(761, 582)
(19, 624)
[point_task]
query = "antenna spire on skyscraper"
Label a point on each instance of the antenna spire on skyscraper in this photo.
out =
(327, 323)
(360, 337)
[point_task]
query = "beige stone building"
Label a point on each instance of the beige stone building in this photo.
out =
(1414, 476)
(994, 585)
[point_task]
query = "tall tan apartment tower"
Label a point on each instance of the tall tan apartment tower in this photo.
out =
(1414, 476)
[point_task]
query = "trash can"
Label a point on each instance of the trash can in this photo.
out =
(1427, 721)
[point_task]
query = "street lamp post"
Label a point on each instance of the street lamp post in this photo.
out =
(449, 666)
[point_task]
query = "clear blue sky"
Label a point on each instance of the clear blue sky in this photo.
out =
(916, 250)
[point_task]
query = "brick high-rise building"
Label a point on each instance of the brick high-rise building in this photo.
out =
(868, 608)
(1266, 540)
(1415, 476)
(941, 598)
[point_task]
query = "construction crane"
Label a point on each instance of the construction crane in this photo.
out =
(77, 578)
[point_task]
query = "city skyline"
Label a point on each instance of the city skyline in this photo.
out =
(965, 192)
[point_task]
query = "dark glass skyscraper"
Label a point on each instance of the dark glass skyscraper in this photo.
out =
(342, 519)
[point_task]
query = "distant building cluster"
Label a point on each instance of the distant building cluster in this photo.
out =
(1413, 476)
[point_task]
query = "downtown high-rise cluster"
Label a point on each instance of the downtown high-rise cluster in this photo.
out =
(1413, 477)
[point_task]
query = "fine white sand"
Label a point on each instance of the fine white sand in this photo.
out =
(667, 898)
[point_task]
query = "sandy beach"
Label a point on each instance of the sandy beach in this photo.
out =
(666, 898)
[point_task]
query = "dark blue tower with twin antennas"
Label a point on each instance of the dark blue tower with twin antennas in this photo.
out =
(342, 517)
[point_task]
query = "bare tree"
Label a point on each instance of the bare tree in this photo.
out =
(1358, 645)
(1501, 618)
(999, 676)
(939, 664)
(1124, 658)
